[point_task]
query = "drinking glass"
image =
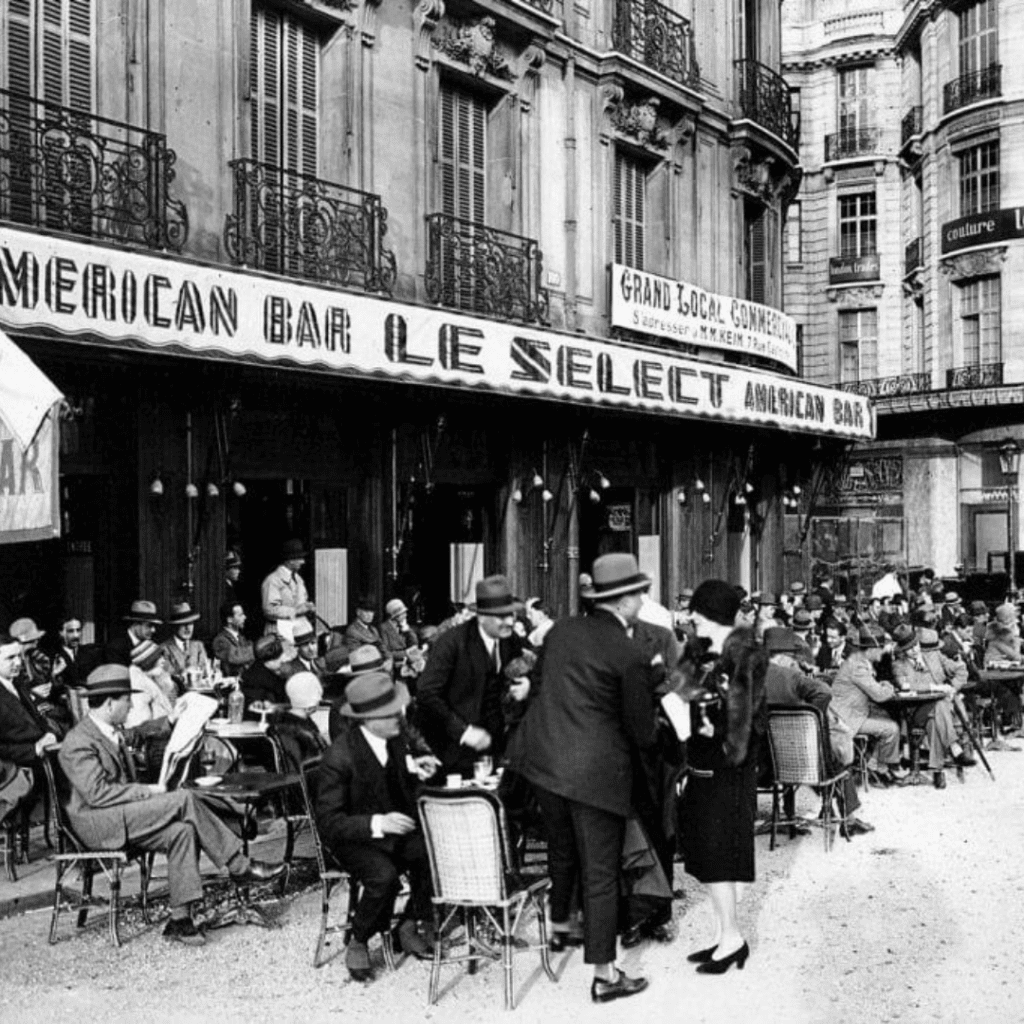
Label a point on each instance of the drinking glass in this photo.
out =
(482, 768)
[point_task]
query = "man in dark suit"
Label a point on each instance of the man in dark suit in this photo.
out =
(366, 814)
(262, 680)
(593, 708)
(305, 660)
(230, 646)
(142, 620)
(24, 734)
(109, 809)
(64, 649)
(460, 691)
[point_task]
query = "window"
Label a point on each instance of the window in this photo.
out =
(979, 40)
(854, 100)
(979, 321)
(857, 225)
(794, 111)
(463, 154)
(979, 179)
(858, 345)
(284, 59)
(49, 50)
(794, 216)
(628, 202)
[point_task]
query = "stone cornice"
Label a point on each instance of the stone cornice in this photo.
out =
(837, 57)
(937, 401)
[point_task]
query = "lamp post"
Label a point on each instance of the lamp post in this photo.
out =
(1009, 465)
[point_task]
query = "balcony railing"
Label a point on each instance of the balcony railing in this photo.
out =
(764, 98)
(886, 387)
(913, 256)
(657, 37)
(851, 142)
(911, 125)
(473, 267)
(970, 88)
(74, 172)
(981, 375)
(294, 224)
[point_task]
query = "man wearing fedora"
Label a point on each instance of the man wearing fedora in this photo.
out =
(283, 593)
(108, 809)
(593, 709)
(361, 630)
(306, 658)
(186, 657)
(460, 691)
(142, 620)
(366, 814)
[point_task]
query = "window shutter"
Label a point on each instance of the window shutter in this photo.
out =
(79, 59)
(758, 258)
(265, 80)
(19, 46)
(463, 155)
(52, 52)
(447, 151)
(300, 99)
(629, 202)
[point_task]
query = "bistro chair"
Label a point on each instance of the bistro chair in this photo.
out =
(472, 870)
(796, 740)
(331, 877)
(73, 853)
(9, 843)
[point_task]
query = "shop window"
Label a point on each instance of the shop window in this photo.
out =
(855, 101)
(979, 36)
(858, 225)
(979, 178)
(858, 344)
(629, 192)
(49, 50)
(794, 231)
(980, 321)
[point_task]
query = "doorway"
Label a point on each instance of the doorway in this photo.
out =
(608, 525)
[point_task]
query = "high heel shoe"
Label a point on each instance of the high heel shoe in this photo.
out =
(739, 958)
(702, 956)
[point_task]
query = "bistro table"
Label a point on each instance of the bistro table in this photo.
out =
(903, 704)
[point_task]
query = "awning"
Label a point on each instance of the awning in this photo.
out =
(29, 492)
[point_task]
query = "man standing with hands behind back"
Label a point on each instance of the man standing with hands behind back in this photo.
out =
(574, 745)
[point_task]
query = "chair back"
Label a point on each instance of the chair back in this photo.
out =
(795, 738)
(308, 776)
(59, 787)
(466, 836)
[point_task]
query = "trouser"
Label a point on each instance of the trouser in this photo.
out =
(886, 732)
(585, 842)
(17, 788)
(379, 872)
(939, 728)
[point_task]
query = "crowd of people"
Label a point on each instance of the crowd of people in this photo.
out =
(627, 726)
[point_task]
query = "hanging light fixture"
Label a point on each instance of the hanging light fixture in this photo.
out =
(212, 490)
(517, 494)
(705, 497)
(191, 491)
(239, 488)
(681, 496)
(156, 486)
(698, 484)
(538, 480)
(603, 481)
(546, 495)
(594, 496)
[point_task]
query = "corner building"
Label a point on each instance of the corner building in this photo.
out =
(441, 289)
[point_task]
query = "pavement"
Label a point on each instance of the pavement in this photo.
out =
(918, 922)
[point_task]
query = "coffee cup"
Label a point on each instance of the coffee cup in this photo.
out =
(453, 782)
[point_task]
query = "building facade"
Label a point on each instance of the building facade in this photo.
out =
(928, 329)
(441, 289)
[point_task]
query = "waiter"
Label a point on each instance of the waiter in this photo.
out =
(594, 704)
(284, 595)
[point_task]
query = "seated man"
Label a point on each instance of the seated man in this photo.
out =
(833, 651)
(263, 680)
(109, 809)
(24, 733)
(305, 660)
(187, 660)
(230, 646)
(856, 696)
(48, 693)
(919, 665)
(396, 634)
(366, 814)
(361, 629)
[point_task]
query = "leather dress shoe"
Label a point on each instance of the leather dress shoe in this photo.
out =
(413, 943)
(605, 991)
(184, 930)
(965, 760)
(257, 871)
(939, 780)
(560, 941)
(357, 960)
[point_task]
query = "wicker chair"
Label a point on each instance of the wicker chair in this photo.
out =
(72, 853)
(472, 870)
(796, 739)
(331, 877)
(9, 843)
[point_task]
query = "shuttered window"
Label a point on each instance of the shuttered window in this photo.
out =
(757, 258)
(49, 50)
(628, 203)
(284, 85)
(463, 154)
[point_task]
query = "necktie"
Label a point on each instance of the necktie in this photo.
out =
(495, 659)
(125, 757)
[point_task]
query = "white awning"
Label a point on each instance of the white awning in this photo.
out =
(26, 393)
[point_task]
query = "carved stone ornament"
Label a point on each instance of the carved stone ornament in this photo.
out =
(756, 177)
(865, 476)
(974, 264)
(861, 296)
(472, 43)
(640, 121)
(427, 15)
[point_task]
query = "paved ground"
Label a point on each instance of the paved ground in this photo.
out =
(919, 922)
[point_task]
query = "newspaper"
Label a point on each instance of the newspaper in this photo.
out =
(194, 711)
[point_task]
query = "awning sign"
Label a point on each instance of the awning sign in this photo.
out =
(29, 490)
(109, 296)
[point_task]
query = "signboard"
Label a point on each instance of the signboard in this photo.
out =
(982, 228)
(29, 490)
(846, 269)
(682, 312)
(101, 295)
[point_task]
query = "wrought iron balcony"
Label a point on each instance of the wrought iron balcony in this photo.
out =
(74, 172)
(851, 142)
(886, 387)
(911, 125)
(913, 256)
(983, 84)
(657, 37)
(474, 267)
(294, 224)
(981, 375)
(763, 96)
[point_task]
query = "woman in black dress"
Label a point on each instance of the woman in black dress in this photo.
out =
(726, 693)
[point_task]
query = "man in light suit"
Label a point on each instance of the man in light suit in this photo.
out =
(183, 654)
(108, 809)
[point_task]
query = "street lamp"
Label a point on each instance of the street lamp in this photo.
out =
(1009, 465)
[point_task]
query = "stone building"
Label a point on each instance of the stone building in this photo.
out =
(440, 288)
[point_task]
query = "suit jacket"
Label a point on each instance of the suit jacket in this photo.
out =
(260, 683)
(856, 692)
(296, 665)
(119, 649)
(21, 727)
(450, 695)
(395, 641)
(352, 787)
(824, 659)
(103, 789)
(233, 652)
(194, 656)
(593, 706)
(358, 633)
